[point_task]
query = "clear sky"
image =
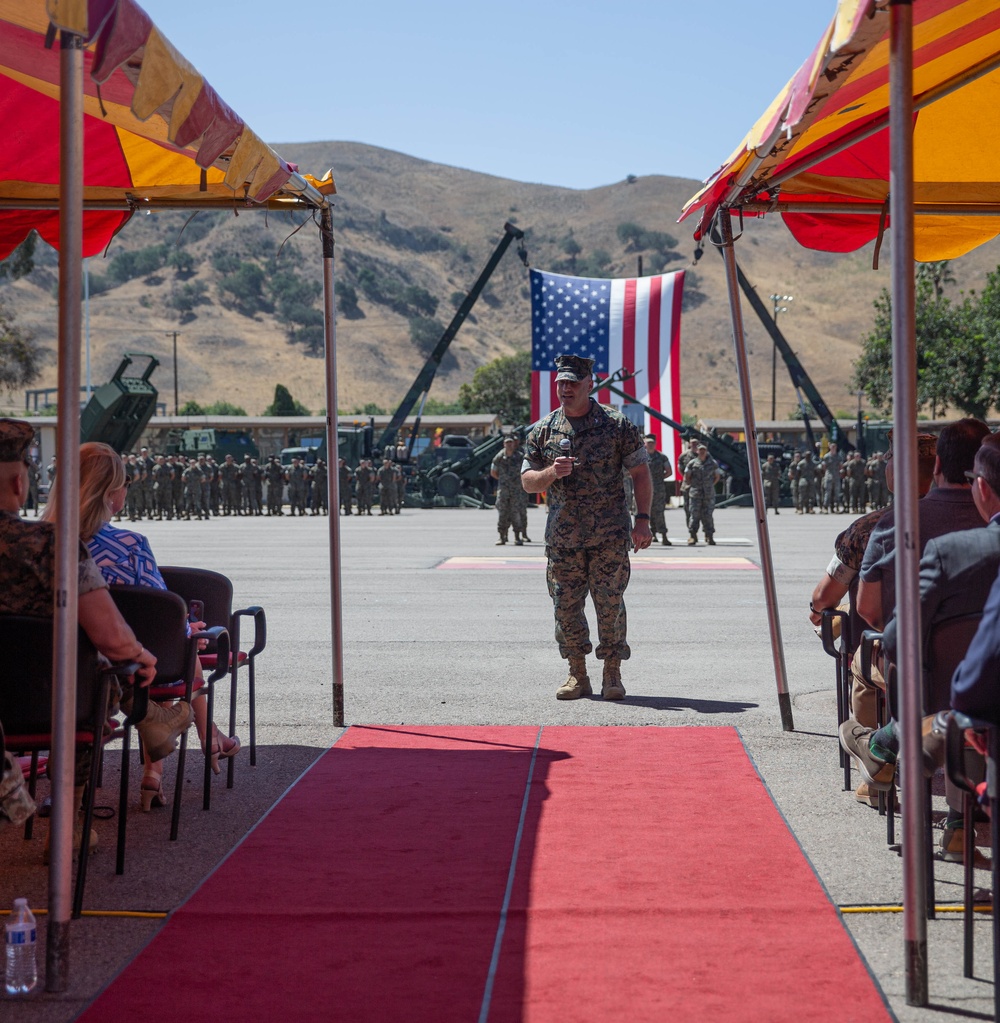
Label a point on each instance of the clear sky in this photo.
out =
(575, 94)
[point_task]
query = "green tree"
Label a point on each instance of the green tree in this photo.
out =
(191, 408)
(347, 301)
(425, 332)
(957, 347)
(502, 386)
(21, 356)
(224, 408)
(284, 404)
(243, 290)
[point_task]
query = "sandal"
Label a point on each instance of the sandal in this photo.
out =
(151, 792)
(223, 748)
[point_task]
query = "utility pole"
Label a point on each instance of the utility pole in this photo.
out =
(776, 301)
(173, 334)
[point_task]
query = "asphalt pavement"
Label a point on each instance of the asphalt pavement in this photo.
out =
(443, 627)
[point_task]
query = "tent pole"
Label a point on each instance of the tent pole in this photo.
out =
(332, 475)
(753, 459)
(66, 593)
(904, 404)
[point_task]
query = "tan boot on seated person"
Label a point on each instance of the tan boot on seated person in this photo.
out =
(162, 726)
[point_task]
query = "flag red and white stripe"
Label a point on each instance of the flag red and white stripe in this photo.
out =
(644, 334)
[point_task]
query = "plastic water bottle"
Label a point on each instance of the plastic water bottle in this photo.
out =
(22, 968)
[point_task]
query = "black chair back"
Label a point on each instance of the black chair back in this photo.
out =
(26, 676)
(947, 643)
(159, 620)
(212, 588)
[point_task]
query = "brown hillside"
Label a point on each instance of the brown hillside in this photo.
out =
(426, 226)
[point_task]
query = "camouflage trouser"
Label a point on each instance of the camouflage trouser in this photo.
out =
(192, 501)
(275, 493)
(297, 498)
(133, 503)
(772, 494)
(231, 499)
(164, 502)
(657, 519)
(386, 498)
(603, 572)
(806, 495)
(364, 498)
(700, 511)
(250, 502)
(510, 514)
(831, 492)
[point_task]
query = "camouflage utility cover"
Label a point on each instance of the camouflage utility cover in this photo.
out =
(587, 508)
(27, 567)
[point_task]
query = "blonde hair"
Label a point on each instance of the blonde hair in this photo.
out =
(101, 471)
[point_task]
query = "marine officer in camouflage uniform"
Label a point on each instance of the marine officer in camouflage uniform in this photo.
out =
(275, 486)
(660, 470)
(701, 475)
(576, 455)
(386, 488)
(770, 472)
(512, 501)
(364, 479)
(807, 483)
(832, 463)
(229, 473)
(298, 481)
(321, 489)
(249, 476)
(192, 478)
(344, 477)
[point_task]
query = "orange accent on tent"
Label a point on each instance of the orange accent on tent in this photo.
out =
(820, 154)
(154, 129)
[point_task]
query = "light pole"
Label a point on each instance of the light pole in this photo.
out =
(173, 334)
(776, 305)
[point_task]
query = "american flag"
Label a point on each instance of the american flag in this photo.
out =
(632, 324)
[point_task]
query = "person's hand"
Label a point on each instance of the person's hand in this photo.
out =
(641, 536)
(147, 668)
(197, 627)
(563, 466)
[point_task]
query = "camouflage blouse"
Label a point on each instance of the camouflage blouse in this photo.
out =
(587, 508)
(27, 567)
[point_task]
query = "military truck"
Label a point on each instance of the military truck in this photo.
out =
(215, 442)
(353, 440)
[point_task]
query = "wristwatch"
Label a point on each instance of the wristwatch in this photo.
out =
(642, 515)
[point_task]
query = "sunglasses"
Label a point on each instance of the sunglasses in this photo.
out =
(971, 475)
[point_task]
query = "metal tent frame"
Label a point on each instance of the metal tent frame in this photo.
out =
(297, 192)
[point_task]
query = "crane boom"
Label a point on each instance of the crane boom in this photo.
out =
(426, 376)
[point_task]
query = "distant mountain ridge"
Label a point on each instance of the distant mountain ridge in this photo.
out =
(412, 236)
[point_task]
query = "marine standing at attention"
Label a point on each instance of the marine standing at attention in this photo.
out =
(512, 501)
(576, 455)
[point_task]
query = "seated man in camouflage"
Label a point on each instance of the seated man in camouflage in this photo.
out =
(27, 582)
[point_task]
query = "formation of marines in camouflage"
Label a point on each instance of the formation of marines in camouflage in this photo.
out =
(166, 487)
(837, 483)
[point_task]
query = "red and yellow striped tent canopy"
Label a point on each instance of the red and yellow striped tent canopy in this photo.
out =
(154, 130)
(819, 155)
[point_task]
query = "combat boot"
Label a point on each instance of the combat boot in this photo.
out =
(501, 541)
(162, 726)
(578, 683)
(518, 542)
(611, 686)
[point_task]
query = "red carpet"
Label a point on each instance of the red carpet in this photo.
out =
(376, 891)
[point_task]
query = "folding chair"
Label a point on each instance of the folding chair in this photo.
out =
(26, 687)
(216, 592)
(835, 634)
(956, 767)
(159, 620)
